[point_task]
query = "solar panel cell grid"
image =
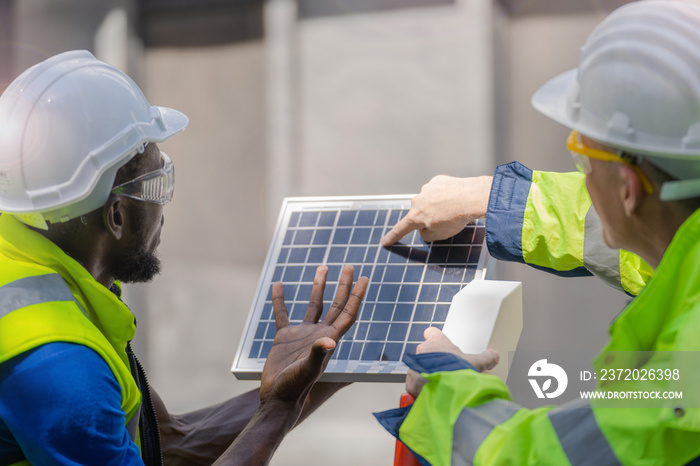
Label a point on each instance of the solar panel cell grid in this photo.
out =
(411, 284)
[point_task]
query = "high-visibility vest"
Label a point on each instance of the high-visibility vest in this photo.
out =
(37, 306)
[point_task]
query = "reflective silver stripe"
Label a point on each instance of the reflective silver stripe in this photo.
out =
(580, 436)
(133, 424)
(598, 258)
(474, 425)
(33, 290)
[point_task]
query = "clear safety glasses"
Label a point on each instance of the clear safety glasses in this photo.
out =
(581, 154)
(156, 187)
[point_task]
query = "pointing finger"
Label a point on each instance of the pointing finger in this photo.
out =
(401, 229)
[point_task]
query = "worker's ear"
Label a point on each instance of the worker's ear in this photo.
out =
(114, 216)
(632, 191)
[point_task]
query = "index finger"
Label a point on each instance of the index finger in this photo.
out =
(401, 229)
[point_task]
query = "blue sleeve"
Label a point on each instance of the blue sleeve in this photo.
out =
(506, 210)
(60, 404)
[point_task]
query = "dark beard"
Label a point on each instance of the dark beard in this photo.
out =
(141, 269)
(137, 266)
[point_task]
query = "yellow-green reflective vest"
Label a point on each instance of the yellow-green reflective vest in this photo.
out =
(46, 296)
(464, 417)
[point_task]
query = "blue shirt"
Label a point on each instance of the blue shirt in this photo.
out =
(60, 404)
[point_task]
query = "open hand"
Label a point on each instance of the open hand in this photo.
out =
(301, 352)
(443, 208)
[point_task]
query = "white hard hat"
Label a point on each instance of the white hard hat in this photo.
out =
(67, 125)
(637, 88)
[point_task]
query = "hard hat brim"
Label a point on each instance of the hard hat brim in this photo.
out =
(550, 99)
(175, 122)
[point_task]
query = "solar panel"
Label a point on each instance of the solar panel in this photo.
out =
(411, 283)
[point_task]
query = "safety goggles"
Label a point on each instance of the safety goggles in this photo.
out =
(156, 187)
(581, 154)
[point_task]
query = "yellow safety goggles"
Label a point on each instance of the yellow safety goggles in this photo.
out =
(581, 154)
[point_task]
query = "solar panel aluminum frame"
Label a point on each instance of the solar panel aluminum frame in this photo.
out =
(347, 370)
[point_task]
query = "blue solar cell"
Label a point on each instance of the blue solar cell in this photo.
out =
(396, 258)
(271, 330)
(453, 275)
(372, 351)
(410, 348)
(394, 273)
(397, 332)
(294, 219)
(474, 254)
(337, 254)
(284, 254)
(361, 332)
(469, 274)
(377, 234)
(438, 254)
(416, 332)
(441, 311)
(365, 271)
(394, 216)
(308, 219)
(392, 352)
(343, 351)
(288, 237)
(383, 311)
(298, 311)
(347, 218)
(428, 293)
(322, 237)
(433, 274)
(255, 349)
(361, 236)
(383, 256)
(316, 255)
(292, 274)
(378, 331)
(371, 254)
(447, 292)
(424, 312)
(458, 255)
(355, 254)
(365, 217)
(297, 256)
(327, 219)
(413, 273)
(381, 217)
(265, 348)
(408, 293)
(403, 312)
(309, 273)
(366, 312)
(268, 312)
(372, 292)
(378, 274)
(389, 293)
(356, 351)
(342, 236)
(329, 292)
(304, 293)
(260, 332)
(277, 275)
